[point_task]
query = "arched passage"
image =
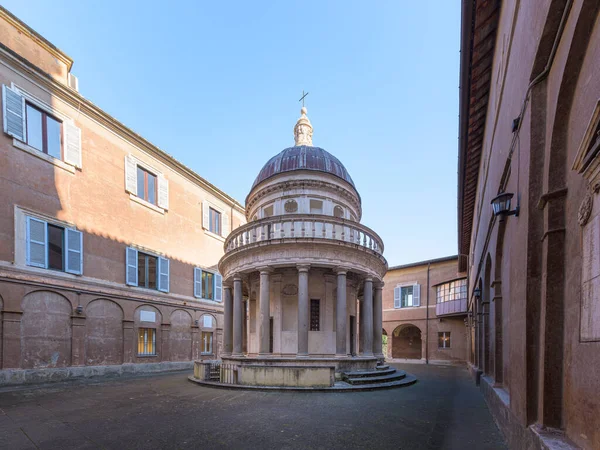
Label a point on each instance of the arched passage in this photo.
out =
(384, 342)
(406, 342)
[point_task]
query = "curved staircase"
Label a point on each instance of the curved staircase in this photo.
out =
(383, 376)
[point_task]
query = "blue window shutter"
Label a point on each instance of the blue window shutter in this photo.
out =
(197, 282)
(397, 297)
(218, 287)
(74, 251)
(417, 295)
(37, 243)
(13, 113)
(131, 273)
(163, 274)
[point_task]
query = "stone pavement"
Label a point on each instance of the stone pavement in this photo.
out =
(443, 410)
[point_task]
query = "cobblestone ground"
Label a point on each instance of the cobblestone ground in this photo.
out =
(444, 410)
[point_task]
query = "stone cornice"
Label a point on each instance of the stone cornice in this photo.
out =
(288, 253)
(286, 185)
(72, 98)
(38, 38)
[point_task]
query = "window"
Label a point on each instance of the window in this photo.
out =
(444, 339)
(454, 290)
(146, 270)
(38, 127)
(44, 132)
(146, 185)
(315, 315)
(51, 246)
(316, 207)
(207, 341)
(338, 212)
(407, 296)
(291, 206)
(214, 218)
(268, 211)
(146, 342)
(207, 285)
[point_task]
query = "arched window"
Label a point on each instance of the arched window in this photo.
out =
(338, 212)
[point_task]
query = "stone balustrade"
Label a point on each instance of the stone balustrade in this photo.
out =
(304, 226)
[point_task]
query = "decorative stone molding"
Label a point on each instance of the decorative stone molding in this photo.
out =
(585, 209)
(290, 254)
(290, 289)
(286, 185)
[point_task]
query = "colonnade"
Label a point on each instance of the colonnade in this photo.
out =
(370, 326)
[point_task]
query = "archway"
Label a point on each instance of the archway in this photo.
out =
(384, 343)
(406, 342)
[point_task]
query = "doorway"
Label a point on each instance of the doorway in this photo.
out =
(353, 335)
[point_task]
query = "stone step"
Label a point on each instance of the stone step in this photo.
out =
(383, 367)
(399, 375)
(370, 373)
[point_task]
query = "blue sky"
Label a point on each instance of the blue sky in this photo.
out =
(216, 85)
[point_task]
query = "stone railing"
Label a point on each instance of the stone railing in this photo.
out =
(303, 226)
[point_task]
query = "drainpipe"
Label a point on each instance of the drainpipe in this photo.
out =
(427, 320)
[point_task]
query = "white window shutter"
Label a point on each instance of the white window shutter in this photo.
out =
(13, 113)
(197, 282)
(163, 274)
(416, 295)
(74, 251)
(72, 145)
(397, 297)
(163, 192)
(37, 239)
(132, 266)
(205, 215)
(131, 175)
(225, 225)
(218, 287)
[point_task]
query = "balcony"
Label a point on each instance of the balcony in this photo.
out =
(451, 307)
(316, 240)
(302, 228)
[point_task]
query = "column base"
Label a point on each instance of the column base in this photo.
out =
(265, 355)
(301, 355)
(367, 355)
(342, 355)
(237, 355)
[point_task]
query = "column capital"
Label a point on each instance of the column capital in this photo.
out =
(340, 270)
(237, 277)
(378, 285)
(265, 269)
(368, 279)
(303, 267)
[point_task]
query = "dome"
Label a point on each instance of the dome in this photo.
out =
(303, 157)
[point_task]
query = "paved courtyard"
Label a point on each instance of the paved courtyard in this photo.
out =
(444, 410)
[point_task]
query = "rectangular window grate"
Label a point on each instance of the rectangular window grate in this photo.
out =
(315, 315)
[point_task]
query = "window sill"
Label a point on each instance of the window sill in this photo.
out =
(148, 205)
(207, 354)
(147, 356)
(41, 155)
(207, 300)
(214, 235)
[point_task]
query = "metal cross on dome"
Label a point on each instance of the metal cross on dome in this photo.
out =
(302, 99)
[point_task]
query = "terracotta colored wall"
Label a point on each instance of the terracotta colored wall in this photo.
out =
(536, 270)
(40, 326)
(398, 318)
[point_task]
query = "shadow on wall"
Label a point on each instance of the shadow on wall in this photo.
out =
(406, 342)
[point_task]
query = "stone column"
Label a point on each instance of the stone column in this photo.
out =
(228, 325)
(367, 319)
(238, 317)
(303, 310)
(378, 320)
(264, 319)
(341, 315)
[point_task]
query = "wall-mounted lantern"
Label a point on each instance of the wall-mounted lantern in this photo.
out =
(477, 293)
(79, 309)
(501, 205)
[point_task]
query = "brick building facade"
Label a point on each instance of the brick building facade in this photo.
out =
(529, 123)
(424, 311)
(108, 245)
